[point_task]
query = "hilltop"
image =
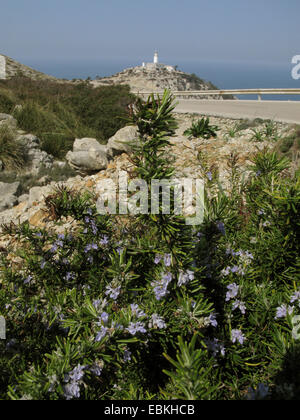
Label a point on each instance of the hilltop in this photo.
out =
(14, 68)
(155, 78)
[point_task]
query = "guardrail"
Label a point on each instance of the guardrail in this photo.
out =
(232, 92)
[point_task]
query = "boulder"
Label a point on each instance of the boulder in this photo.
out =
(8, 196)
(88, 143)
(88, 156)
(119, 143)
(8, 120)
(89, 161)
(30, 141)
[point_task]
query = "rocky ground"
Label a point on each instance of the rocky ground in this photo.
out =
(193, 158)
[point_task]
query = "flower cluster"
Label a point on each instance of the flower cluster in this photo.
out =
(72, 380)
(234, 270)
(136, 327)
(136, 311)
(211, 320)
(90, 223)
(233, 290)
(237, 336)
(101, 334)
(157, 322)
(161, 286)
(113, 292)
(166, 257)
(284, 310)
(185, 277)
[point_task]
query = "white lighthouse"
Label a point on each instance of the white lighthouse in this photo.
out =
(155, 60)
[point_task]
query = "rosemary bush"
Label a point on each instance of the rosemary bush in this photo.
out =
(145, 307)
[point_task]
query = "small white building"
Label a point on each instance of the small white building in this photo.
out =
(156, 65)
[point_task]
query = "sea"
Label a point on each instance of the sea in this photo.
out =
(225, 75)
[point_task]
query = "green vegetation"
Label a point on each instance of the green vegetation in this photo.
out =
(202, 128)
(59, 112)
(12, 154)
(28, 180)
(147, 307)
(290, 146)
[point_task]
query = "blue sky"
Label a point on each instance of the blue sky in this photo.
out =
(221, 30)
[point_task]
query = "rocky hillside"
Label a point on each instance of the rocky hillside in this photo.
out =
(14, 68)
(193, 158)
(143, 79)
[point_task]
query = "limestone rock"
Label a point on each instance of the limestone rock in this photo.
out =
(119, 143)
(87, 161)
(23, 198)
(37, 194)
(88, 156)
(30, 141)
(8, 196)
(8, 120)
(86, 144)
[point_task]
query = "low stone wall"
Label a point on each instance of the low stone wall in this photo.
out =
(2, 67)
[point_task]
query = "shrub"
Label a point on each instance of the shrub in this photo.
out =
(149, 308)
(12, 153)
(202, 128)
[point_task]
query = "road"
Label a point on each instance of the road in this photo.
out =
(284, 111)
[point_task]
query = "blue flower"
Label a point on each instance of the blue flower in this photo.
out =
(283, 310)
(105, 240)
(127, 356)
(167, 260)
(90, 247)
(233, 290)
(104, 317)
(101, 334)
(209, 176)
(134, 328)
(113, 293)
(185, 277)
(157, 259)
(157, 322)
(76, 374)
(71, 390)
(221, 228)
(28, 280)
(211, 320)
(136, 311)
(237, 335)
(161, 286)
(96, 370)
(295, 297)
(70, 276)
(96, 303)
(239, 305)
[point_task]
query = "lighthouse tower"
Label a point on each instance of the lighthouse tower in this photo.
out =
(155, 60)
